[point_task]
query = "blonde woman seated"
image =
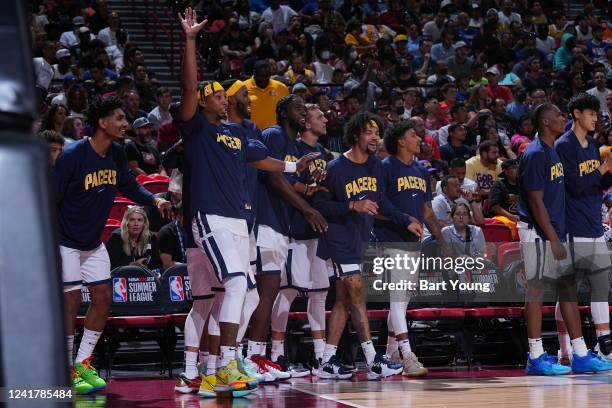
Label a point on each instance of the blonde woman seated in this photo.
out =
(133, 243)
(464, 239)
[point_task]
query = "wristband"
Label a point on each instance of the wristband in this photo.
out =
(290, 167)
(158, 201)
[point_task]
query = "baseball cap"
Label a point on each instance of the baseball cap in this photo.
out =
(509, 163)
(83, 29)
(493, 70)
(299, 87)
(140, 122)
(460, 44)
(445, 3)
(491, 11)
(62, 53)
(78, 21)
(475, 6)
(400, 37)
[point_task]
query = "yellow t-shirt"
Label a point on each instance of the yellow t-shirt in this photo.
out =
(263, 101)
(292, 76)
(483, 176)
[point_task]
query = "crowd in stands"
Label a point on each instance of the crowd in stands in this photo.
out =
(467, 72)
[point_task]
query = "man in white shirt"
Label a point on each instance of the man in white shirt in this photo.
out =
(108, 35)
(278, 15)
(42, 65)
(506, 16)
(64, 61)
(71, 38)
(161, 113)
(600, 91)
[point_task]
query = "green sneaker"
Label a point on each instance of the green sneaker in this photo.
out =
(79, 385)
(90, 375)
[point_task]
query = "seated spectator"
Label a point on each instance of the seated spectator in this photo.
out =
(297, 72)
(479, 99)
(161, 113)
(449, 98)
(71, 38)
(544, 42)
(265, 94)
(360, 82)
(534, 77)
(100, 82)
(277, 14)
(419, 127)
(517, 108)
(73, 129)
(600, 91)
(563, 55)
(494, 90)
(142, 157)
(131, 106)
(457, 169)
(55, 118)
(433, 121)
(503, 142)
(503, 122)
(108, 35)
(444, 50)
(477, 77)
(133, 243)
(76, 100)
(460, 64)
(464, 239)
(42, 66)
(485, 168)
(171, 240)
(455, 148)
(55, 141)
(597, 48)
(503, 199)
(441, 74)
(235, 49)
(433, 29)
(64, 63)
(459, 115)
(146, 87)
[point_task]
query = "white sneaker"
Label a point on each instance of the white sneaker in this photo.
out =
(382, 368)
(413, 367)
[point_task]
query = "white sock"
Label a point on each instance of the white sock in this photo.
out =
(211, 366)
(535, 348)
(239, 353)
(203, 357)
(579, 346)
(392, 346)
(88, 344)
(191, 364)
(70, 344)
(404, 346)
(329, 352)
(253, 348)
(368, 351)
(228, 354)
(278, 349)
(319, 348)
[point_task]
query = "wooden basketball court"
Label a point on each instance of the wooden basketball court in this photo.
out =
(485, 387)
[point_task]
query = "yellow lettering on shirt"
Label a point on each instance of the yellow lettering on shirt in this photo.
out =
(230, 141)
(361, 184)
(290, 158)
(587, 167)
(317, 164)
(100, 177)
(411, 182)
(556, 171)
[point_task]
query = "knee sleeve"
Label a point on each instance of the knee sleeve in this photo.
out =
(397, 316)
(250, 304)
(600, 287)
(235, 292)
(194, 325)
(280, 310)
(213, 320)
(316, 310)
(600, 312)
(390, 328)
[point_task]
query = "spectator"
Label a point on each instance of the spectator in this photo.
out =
(485, 168)
(71, 38)
(557, 95)
(444, 50)
(575, 83)
(460, 64)
(584, 32)
(108, 35)
(477, 77)
(503, 200)
(433, 29)
(517, 108)
(360, 82)
(494, 90)
(235, 49)
(534, 77)
(457, 169)
(597, 48)
(133, 243)
(563, 55)
(279, 15)
(76, 100)
(433, 119)
(479, 99)
(538, 97)
(73, 129)
(146, 87)
(463, 30)
(55, 118)
(504, 123)
(455, 148)
(42, 66)
(544, 42)
(464, 239)
(131, 106)
(600, 91)
(459, 115)
(264, 93)
(441, 76)
(297, 72)
(99, 83)
(161, 113)
(55, 141)
(476, 20)
(142, 157)
(501, 141)
(506, 15)
(172, 240)
(64, 63)
(419, 128)
(449, 99)
(537, 15)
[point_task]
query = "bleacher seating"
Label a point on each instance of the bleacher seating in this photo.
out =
(119, 208)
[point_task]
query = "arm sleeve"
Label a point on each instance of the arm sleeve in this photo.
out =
(575, 183)
(127, 184)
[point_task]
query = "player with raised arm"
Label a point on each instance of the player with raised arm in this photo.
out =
(88, 174)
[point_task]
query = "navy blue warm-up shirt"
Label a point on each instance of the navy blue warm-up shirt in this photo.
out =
(86, 184)
(540, 169)
(582, 186)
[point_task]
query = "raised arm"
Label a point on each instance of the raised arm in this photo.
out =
(189, 70)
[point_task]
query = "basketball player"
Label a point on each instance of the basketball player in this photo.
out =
(304, 270)
(88, 174)
(353, 195)
(274, 210)
(542, 231)
(583, 174)
(408, 187)
(220, 204)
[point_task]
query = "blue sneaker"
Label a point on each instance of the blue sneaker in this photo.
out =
(591, 363)
(545, 365)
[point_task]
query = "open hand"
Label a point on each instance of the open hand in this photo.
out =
(189, 22)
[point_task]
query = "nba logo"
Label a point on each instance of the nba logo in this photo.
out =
(119, 290)
(177, 294)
